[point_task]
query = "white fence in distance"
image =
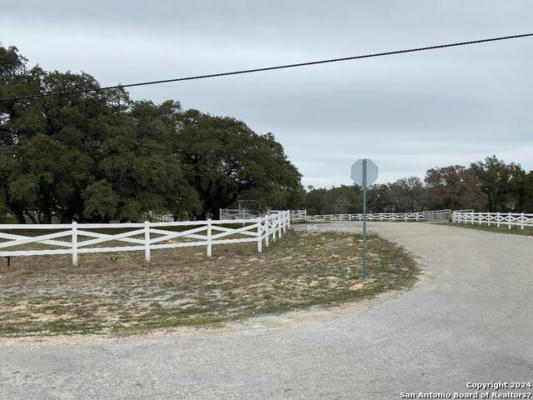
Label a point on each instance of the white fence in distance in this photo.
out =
(153, 217)
(296, 215)
(78, 239)
(229, 213)
(420, 216)
(493, 218)
(241, 213)
(301, 215)
(415, 216)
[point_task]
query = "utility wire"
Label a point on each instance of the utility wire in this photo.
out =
(271, 68)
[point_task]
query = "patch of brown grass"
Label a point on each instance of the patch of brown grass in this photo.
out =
(121, 293)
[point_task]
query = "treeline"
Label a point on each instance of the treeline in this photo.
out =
(488, 185)
(101, 156)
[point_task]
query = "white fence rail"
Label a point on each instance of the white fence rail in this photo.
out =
(301, 215)
(242, 213)
(493, 218)
(409, 216)
(75, 239)
(296, 215)
(159, 217)
(228, 213)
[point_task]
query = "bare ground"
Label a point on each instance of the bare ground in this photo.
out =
(121, 294)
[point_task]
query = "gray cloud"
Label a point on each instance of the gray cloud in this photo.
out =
(409, 112)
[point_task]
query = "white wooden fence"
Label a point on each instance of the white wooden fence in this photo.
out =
(241, 213)
(493, 218)
(408, 216)
(301, 215)
(296, 215)
(159, 217)
(75, 239)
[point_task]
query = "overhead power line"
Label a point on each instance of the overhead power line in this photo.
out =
(271, 68)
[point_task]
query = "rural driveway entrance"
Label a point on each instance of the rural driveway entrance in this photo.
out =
(469, 319)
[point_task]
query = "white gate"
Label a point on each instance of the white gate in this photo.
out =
(438, 216)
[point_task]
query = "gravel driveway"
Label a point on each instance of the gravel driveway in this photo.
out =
(469, 319)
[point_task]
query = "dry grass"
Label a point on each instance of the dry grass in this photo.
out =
(120, 294)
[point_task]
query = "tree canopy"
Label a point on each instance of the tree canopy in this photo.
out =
(489, 185)
(508, 186)
(454, 187)
(101, 156)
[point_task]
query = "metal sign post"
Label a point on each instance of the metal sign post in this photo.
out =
(364, 173)
(364, 219)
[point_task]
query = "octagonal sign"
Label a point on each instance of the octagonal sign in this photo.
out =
(371, 172)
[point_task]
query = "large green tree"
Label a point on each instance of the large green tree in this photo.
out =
(408, 194)
(141, 168)
(225, 160)
(506, 185)
(97, 155)
(528, 188)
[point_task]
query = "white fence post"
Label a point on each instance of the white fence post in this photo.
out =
(267, 227)
(279, 225)
(75, 243)
(209, 234)
(498, 219)
(509, 221)
(147, 241)
(259, 235)
(522, 221)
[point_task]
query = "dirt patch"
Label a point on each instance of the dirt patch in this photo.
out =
(47, 296)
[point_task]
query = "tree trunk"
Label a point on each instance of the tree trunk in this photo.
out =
(47, 217)
(19, 216)
(31, 217)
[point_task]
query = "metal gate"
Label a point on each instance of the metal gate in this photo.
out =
(439, 216)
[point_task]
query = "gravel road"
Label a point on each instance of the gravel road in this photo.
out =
(469, 319)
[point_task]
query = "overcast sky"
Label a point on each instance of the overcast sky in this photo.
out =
(408, 113)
